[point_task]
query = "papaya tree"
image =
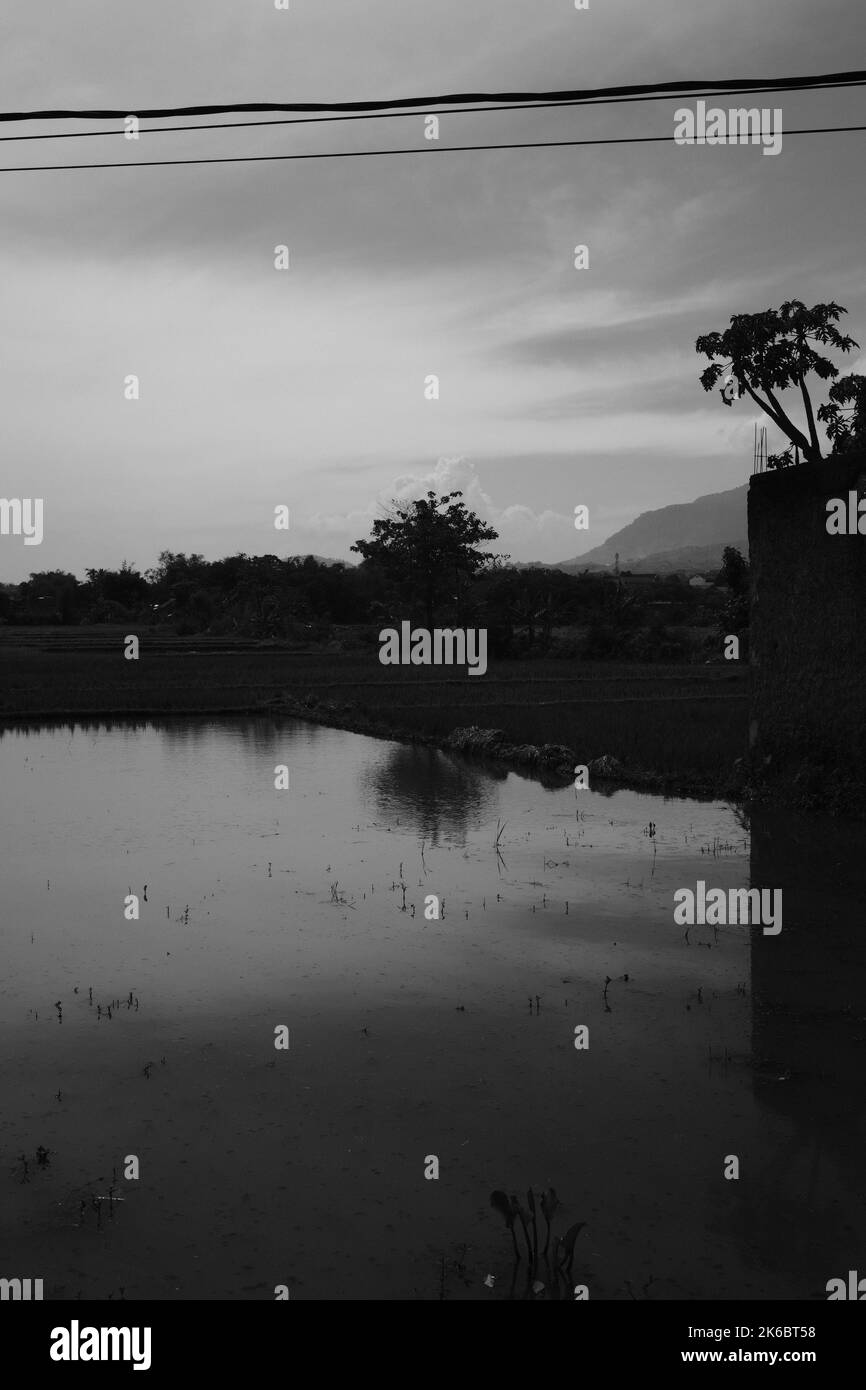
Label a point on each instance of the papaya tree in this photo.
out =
(844, 415)
(762, 355)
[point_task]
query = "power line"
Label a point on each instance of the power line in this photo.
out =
(453, 99)
(464, 111)
(375, 154)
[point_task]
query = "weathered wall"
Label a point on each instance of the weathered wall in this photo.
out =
(808, 635)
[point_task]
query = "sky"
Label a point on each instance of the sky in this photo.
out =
(304, 387)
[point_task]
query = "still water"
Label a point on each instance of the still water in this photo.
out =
(411, 1038)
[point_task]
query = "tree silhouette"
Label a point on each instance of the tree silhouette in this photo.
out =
(772, 352)
(845, 414)
(735, 570)
(429, 548)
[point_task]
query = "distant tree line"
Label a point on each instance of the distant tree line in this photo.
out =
(306, 602)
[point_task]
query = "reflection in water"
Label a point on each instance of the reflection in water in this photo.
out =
(430, 791)
(253, 736)
(809, 1038)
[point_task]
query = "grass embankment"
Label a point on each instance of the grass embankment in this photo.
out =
(684, 723)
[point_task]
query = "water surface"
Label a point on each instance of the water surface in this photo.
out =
(410, 1037)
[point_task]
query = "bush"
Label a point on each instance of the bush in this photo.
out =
(106, 610)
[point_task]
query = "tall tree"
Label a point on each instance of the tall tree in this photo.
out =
(429, 547)
(735, 573)
(772, 352)
(735, 570)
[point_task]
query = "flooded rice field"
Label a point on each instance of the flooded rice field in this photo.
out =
(480, 986)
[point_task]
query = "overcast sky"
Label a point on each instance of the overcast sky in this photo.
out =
(306, 388)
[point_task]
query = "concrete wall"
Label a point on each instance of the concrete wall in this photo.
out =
(808, 636)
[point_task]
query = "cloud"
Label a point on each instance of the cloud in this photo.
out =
(518, 525)
(559, 386)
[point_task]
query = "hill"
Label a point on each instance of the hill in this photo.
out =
(687, 535)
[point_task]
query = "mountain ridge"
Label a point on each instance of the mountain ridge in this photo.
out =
(682, 535)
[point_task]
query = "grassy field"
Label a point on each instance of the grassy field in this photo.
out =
(678, 721)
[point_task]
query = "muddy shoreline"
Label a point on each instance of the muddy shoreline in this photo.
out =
(553, 764)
